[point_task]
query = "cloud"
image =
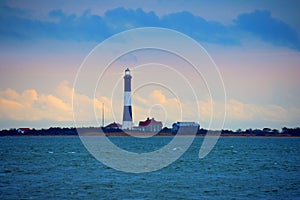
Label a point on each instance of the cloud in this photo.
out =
(16, 23)
(120, 19)
(86, 27)
(260, 23)
(30, 105)
(237, 110)
(245, 115)
(157, 97)
(199, 28)
(156, 104)
(10, 109)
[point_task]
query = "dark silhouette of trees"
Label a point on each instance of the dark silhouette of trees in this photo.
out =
(291, 131)
(53, 131)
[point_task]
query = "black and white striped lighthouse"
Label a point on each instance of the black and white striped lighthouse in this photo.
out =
(127, 112)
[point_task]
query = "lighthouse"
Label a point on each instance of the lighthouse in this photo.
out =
(127, 111)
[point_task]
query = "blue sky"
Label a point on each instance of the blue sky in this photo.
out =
(255, 44)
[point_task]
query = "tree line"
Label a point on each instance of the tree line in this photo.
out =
(55, 131)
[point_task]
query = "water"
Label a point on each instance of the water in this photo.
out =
(237, 168)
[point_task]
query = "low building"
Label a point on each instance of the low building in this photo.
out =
(23, 130)
(150, 125)
(112, 127)
(188, 128)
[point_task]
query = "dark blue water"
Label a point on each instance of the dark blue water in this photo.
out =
(237, 168)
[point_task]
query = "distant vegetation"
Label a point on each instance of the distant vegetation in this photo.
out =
(55, 131)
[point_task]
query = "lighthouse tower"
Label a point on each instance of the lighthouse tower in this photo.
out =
(127, 112)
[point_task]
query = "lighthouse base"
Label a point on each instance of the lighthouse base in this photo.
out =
(127, 125)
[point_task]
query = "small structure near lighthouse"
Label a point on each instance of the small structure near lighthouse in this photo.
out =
(150, 125)
(127, 111)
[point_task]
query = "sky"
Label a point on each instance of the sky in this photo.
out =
(254, 44)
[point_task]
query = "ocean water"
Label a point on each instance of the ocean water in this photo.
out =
(237, 168)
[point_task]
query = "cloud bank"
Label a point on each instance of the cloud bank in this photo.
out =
(17, 24)
(30, 105)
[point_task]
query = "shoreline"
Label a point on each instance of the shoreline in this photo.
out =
(165, 132)
(145, 136)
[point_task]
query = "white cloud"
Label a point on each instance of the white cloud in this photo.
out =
(240, 111)
(30, 105)
(157, 105)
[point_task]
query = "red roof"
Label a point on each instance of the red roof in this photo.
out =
(113, 125)
(24, 129)
(148, 122)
